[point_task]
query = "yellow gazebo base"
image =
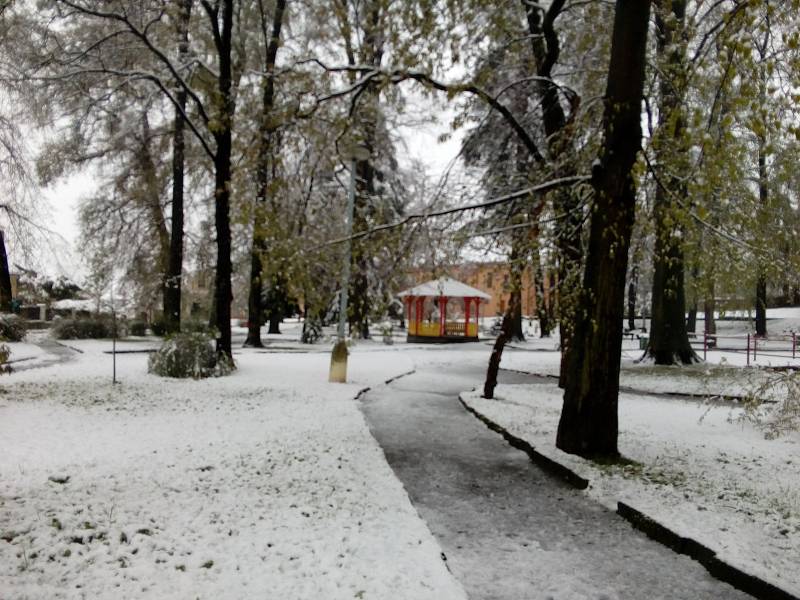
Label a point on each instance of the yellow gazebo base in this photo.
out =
(431, 332)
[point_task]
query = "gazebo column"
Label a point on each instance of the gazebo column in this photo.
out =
(418, 316)
(409, 302)
(442, 315)
(467, 303)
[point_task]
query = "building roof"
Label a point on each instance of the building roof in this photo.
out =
(445, 286)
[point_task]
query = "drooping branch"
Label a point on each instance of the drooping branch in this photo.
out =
(369, 74)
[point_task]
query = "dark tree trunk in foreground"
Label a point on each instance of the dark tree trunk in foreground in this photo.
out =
(669, 341)
(5, 277)
(588, 424)
(255, 305)
(499, 344)
(223, 293)
(172, 282)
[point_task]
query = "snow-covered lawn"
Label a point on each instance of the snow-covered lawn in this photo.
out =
(699, 470)
(263, 484)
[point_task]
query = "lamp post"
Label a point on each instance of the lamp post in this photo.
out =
(338, 370)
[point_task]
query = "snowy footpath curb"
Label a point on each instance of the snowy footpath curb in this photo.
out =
(360, 395)
(707, 557)
(545, 462)
(721, 570)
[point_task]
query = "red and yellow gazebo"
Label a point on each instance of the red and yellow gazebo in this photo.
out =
(443, 310)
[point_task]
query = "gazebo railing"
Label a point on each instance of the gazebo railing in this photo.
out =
(451, 328)
(454, 328)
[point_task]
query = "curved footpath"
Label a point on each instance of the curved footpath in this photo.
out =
(509, 530)
(58, 354)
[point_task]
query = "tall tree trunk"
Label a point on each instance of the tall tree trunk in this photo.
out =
(5, 277)
(632, 291)
(709, 307)
(274, 323)
(589, 423)
(761, 282)
(223, 292)
(669, 340)
(516, 267)
(370, 52)
(255, 305)
(691, 319)
(558, 131)
(173, 281)
(544, 310)
(499, 344)
(152, 200)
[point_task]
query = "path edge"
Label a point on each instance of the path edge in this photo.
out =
(545, 462)
(717, 568)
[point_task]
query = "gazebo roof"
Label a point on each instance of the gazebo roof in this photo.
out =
(445, 286)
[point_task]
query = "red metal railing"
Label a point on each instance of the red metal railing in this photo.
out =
(751, 343)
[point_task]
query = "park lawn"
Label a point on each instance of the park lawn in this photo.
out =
(265, 483)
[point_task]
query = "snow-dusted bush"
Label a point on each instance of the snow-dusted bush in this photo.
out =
(137, 328)
(85, 328)
(5, 354)
(186, 355)
(312, 330)
(198, 326)
(12, 329)
(158, 326)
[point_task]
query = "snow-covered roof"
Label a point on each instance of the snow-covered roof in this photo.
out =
(445, 286)
(77, 304)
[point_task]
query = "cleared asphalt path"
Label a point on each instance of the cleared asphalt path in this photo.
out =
(509, 530)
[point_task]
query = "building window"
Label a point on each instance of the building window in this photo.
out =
(489, 280)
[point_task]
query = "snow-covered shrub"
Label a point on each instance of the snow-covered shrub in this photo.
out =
(5, 354)
(158, 326)
(312, 330)
(387, 332)
(774, 404)
(137, 328)
(186, 355)
(12, 329)
(84, 328)
(198, 326)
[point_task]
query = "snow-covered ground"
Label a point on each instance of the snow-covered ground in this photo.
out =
(266, 483)
(700, 468)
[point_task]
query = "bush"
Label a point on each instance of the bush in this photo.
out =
(158, 326)
(12, 328)
(188, 355)
(312, 330)
(5, 354)
(198, 326)
(91, 328)
(138, 328)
